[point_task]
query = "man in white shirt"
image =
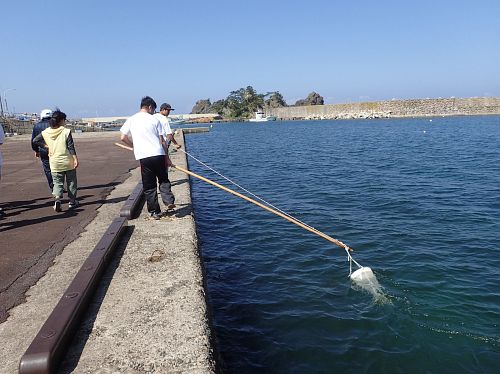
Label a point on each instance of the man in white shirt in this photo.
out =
(147, 140)
(165, 110)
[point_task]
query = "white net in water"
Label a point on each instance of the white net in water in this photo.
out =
(366, 280)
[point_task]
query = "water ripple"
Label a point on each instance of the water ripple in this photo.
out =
(421, 209)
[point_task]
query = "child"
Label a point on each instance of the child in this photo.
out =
(62, 158)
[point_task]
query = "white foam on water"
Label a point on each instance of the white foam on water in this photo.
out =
(367, 281)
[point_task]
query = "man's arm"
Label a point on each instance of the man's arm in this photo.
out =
(2, 135)
(124, 138)
(169, 133)
(70, 144)
(39, 141)
(164, 144)
(172, 139)
(33, 135)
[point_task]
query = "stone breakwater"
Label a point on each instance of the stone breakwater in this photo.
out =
(392, 108)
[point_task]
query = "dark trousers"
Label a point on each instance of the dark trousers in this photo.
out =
(153, 170)
(46, 170)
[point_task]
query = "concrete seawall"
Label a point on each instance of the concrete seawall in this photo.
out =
(149, 313)
(392, 108)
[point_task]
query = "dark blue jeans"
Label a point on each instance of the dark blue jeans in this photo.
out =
(48, 174)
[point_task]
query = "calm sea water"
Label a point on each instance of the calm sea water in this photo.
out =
(418, 200)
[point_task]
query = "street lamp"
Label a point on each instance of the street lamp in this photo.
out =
(5, 99)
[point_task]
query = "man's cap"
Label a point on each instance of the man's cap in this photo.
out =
(46, 113)
(166, 106)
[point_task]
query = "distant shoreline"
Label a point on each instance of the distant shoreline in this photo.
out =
(406, 108)
(391, 109)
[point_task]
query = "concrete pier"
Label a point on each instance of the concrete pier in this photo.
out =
(149, 313)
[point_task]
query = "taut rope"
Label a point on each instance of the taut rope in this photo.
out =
(267, 206)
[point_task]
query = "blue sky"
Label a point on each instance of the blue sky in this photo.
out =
(100, 57)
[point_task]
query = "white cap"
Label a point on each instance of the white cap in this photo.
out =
(45, 113)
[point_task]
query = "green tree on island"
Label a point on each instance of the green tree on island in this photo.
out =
(242, 103)
(219, 107)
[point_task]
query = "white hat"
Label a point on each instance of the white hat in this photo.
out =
(45, 113)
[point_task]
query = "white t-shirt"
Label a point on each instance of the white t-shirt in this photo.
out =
(165, 122)
(145, 130)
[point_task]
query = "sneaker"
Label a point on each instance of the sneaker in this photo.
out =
(57, 206)
(155, 215)
(73, 204)
(170, 207)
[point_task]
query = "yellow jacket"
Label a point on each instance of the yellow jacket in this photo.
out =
(59, 157)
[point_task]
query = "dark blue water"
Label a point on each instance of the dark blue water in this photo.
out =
(418, 200)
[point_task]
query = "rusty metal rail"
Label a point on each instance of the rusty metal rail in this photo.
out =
(133, 203)
(47, 349)
(49, 346)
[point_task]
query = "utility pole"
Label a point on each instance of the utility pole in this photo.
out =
(4, 95)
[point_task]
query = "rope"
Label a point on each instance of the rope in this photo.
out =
(247, 191)
(351, 260)
(346, 247)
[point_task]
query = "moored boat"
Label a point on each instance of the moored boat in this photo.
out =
(260, 116)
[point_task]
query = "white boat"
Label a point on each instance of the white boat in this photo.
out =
(260, 116)
(177, 121)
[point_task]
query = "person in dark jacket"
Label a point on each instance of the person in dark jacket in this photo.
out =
(42, 152)
(2, 139)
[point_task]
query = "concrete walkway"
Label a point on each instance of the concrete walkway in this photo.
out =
(149, 314)
(32, 234)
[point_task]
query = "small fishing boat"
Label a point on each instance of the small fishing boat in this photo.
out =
(260, 116)
(177, 121)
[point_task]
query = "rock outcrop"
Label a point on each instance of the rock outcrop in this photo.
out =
(202, 107)
(275, 101)
(312, 99)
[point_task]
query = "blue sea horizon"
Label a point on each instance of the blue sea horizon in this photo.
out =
(418, 200)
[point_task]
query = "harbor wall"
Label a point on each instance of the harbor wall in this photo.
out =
(392, 108)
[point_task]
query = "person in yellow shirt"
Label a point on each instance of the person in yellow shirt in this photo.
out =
(62, 158)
